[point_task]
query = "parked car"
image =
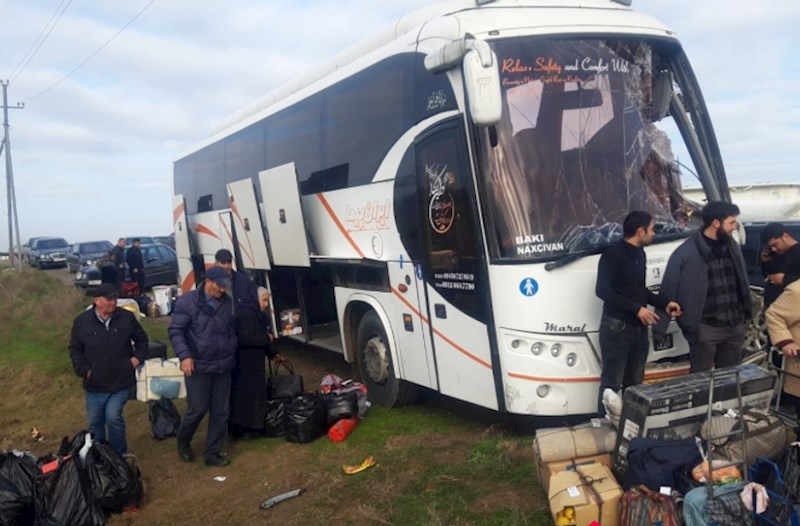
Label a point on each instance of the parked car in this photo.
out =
(48, 252)
(160, 268)
(166, 240)
(86, 253)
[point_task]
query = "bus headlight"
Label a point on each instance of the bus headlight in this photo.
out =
(515, 343)
(572, 359)
(538, 348)
(543, 390)
(555, 349)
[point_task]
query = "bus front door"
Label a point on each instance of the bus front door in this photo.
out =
(455, 282)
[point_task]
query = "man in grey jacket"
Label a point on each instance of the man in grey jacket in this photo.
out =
(707, 276)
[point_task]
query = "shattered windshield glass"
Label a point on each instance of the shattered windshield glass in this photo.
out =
(579, 146)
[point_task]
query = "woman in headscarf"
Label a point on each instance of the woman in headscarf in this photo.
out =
(249, 383)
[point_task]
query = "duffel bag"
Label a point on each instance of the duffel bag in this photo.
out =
(655, 462)
(765, 435)
(641, 507)
(725, 508)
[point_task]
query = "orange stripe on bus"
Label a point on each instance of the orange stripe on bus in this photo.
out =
(177, 213)
(201, 229)
(339, 224)
(554, 380)
(453, 344)
(186, 285)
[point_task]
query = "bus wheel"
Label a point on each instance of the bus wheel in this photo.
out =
(376, 368)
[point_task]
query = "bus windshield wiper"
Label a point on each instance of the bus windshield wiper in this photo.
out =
(569, 257)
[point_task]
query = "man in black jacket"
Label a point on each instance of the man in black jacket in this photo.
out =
(101, 353)
(136, 263)
(118, 261)
(621, 286)
(780, 260)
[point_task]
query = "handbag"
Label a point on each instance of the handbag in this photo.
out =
(283, 385)
(765, 435)
(641, 507)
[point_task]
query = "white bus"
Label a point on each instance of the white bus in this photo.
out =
(434, 201)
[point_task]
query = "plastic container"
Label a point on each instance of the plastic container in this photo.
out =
(342, 428)
(163, 299)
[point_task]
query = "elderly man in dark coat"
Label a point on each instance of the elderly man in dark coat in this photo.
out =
(203, 337)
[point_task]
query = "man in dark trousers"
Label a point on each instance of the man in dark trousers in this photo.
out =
(118, 261)
(136, 263)
(780, 260)
(243, 290)
(621, 286)
(101, 353)
(706, 274)
(203, 337)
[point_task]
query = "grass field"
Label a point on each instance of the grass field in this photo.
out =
(440, 462)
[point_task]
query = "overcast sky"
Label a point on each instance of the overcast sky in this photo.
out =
(92, 153)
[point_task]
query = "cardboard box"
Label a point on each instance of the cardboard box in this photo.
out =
(591, 490)
(167, 369)
(546, 470)
(675, 409)
(291, 322)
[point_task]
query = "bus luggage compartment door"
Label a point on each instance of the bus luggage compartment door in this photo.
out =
(283, 215)
(247, 223)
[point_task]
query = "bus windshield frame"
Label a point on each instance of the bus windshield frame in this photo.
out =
(586, 137)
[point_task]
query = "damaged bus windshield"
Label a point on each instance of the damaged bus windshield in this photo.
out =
(582, 141)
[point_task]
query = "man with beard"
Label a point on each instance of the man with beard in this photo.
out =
(707, 276)
(621, 286)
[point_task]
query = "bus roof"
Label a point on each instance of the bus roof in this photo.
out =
(413, 24)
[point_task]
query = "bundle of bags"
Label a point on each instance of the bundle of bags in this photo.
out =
(84, 483)
(302, 417)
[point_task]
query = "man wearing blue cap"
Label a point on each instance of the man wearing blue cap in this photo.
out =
(202, 334)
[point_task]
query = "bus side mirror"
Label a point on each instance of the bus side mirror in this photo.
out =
(482, 82)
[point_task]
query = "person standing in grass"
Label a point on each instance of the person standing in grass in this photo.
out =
(102, 355)
(202, 334)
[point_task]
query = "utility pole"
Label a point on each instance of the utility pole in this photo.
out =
(11, 196)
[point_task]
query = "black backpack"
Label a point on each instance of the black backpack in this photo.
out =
(164, 418)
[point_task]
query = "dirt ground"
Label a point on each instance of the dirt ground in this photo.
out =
(182, 493)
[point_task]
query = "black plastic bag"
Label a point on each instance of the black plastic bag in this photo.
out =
(283, 386)
(12, 507)
(274, 418)
(21, 470)
(115, 484)
(305, 419)
(790, 469)
(164, 418)
(340, 405)
(65, 497)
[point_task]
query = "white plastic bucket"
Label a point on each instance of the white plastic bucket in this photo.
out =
(163, 299)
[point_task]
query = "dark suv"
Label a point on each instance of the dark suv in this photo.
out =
(86, 253)
(48, 252)
(160, 268)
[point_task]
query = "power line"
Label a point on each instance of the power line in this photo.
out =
(98, 50)
(31, 51)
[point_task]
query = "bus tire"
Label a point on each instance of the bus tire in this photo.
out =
(376, 367)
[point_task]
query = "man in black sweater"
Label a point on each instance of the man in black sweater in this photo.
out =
(621, 286)
(101, 353)
(780, 260)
